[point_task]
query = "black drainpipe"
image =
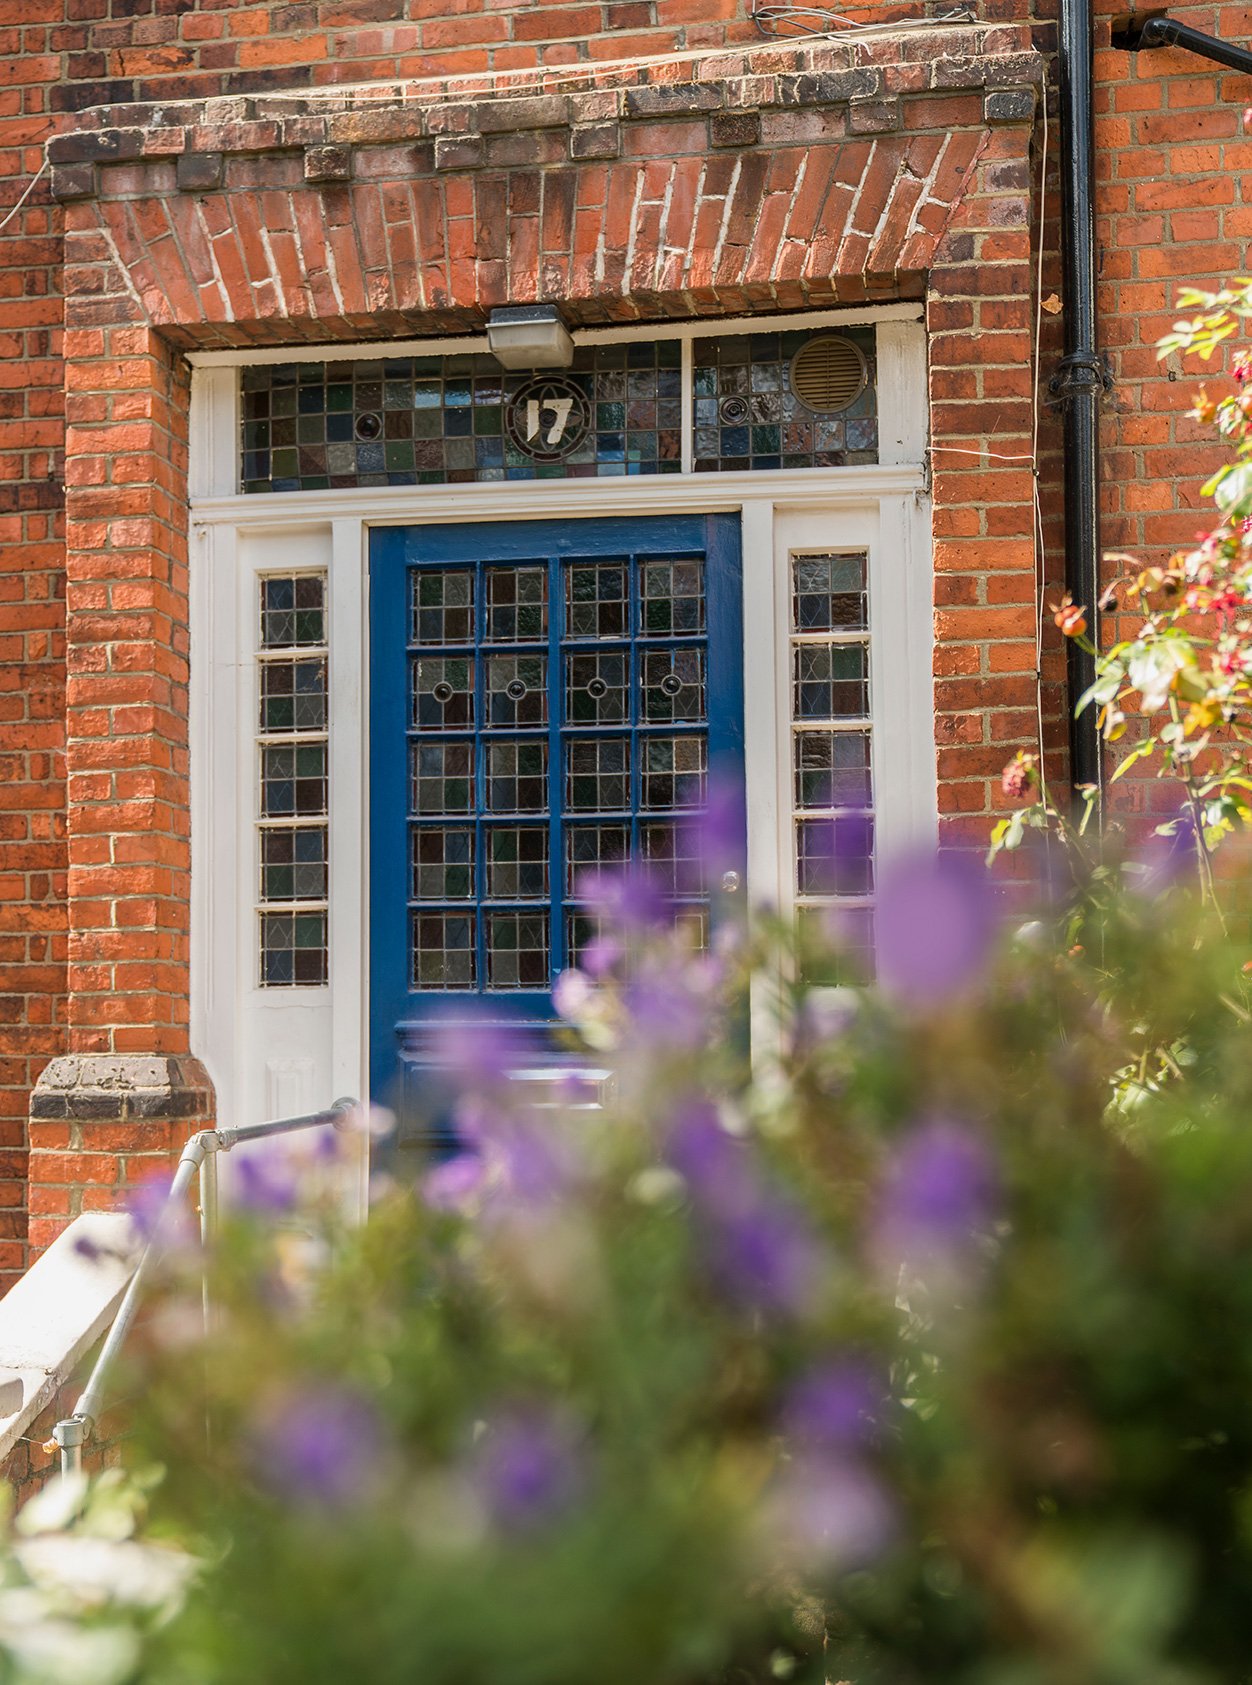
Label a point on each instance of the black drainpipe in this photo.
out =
(1079, 380)
(1157, 29)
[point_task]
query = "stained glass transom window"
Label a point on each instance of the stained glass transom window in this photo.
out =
(832, 766)
(747, 415)
(414, 421)
(573, 737)
(724, 402)
(294, 781)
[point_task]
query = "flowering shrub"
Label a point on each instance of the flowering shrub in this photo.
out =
(1186, 673)
(907, 1355)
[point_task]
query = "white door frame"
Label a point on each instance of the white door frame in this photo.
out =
(272, 1051)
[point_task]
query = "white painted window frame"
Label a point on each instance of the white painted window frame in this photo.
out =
(273, 1051)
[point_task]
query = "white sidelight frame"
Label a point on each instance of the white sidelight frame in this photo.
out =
(277, 1051)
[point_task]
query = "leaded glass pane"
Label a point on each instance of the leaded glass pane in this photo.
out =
(673, 856)
(597, 687)
(832, 769)
(293, 695)
(517, 777)
(443, 694)
(835, 856)
(293, 949)
(517, 604)
(461, 418)
(517, 950)
(828, 593)
(831, 681)
(671, 598)
(673, 772)
(293, 780)
(598, 777)
(517, 690)
(443, 778)
(517, 862)
(443, 950)
(597, 600)
(747, 417)
(590, 849)
(673, 686)
(443, 606)
(293, 863)
(443, 863)
(293, 611)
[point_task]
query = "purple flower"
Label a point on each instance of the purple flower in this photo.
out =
(938, 1198)
(628, 898)
(721, 828)
(528, 1467)
(759, 1246)
(322, 1448)
(572, 993)
(456, 1183)
(478, 1049)
(713, 1163)
(671, 1003)
(767, 1257)
(836, 1406)
(265, 1180)
(830, 1514)
(934, 927)
(601, 955)
(156, 1221)
(504, 1162)
(1167, 858)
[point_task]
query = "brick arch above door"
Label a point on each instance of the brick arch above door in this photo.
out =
(819, 174)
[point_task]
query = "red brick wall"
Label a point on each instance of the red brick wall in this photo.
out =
(32, 609)
(1172, 163)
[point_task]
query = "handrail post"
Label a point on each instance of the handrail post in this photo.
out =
(198, 1157)
(70, 1434)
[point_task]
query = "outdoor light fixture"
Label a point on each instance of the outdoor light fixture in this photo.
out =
(530, 336)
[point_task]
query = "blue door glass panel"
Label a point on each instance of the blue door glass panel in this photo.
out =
(546, 699)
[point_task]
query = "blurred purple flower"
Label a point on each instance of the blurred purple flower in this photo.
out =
(671, 1003)
(835, 1406)
(455, 1184)
(1167, 858)
(503, 1161)
(627, 898)
(714, 1164)
(265, 1179)
(571, 993)
(938, 1197)
(528, 1467)
(722, 828)
(323, 1447)
(479, 1049)
(759, 1246)
(601, 955)
(830, 1513)
(156, 1221)
(767, 1257)
(935, 926)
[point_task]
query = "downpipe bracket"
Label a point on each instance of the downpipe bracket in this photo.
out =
(1078, 374)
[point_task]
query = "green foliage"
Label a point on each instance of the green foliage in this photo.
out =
(921, 1353)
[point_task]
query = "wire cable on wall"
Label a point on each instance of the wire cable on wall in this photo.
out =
(820, 22)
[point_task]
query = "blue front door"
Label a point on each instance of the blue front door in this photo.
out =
(546, 698)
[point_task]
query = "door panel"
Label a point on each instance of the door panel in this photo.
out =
(547, 698)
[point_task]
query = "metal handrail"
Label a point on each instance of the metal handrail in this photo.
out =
(198, 1156)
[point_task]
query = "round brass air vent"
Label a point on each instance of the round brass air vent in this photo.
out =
(828, 373)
